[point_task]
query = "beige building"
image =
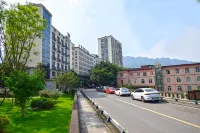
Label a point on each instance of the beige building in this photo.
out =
(60, 53)
(110, 49)
(81, 60)
(53, 49)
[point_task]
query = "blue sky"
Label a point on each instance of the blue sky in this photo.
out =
(148, 28)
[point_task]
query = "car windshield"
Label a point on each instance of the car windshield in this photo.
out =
(111, 88)
(149, 90)
(124, 89)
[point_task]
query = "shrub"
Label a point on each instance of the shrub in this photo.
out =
(50, 94)
(42, 103)
(3, 123)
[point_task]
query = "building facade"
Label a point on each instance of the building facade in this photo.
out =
(81, 60)
(60, 53)
(138, 77)
(110, 49)
(174, 78)
(43, 44)
(53, 49)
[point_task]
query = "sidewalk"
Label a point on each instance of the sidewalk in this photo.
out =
(90, 122)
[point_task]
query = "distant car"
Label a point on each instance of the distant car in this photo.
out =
(122, 91)
(146, 94)
(104, 88)
(110, 90)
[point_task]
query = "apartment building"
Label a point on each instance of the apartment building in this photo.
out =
(53, 49)
(110, 49)
(174, 78)
(181, 77)
(138, 77)
(81, 60)
(43, 44)
(60, 53)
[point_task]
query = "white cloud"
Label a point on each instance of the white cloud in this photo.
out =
(185, 46)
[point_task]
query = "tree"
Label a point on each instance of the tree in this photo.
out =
(20, 26)
(24, 85)
(69, 80)
(104, 73)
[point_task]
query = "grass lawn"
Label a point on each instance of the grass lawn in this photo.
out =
(56, 120)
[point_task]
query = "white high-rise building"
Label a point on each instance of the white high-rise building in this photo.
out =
(53, 48)
(110, 49)
(81, 61)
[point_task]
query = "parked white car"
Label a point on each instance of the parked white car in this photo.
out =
(146, 94)
(122, 91)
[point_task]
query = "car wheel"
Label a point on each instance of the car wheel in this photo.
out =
(142, 99)
(132, 97)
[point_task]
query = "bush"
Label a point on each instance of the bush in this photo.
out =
(42, 103)
(50, 94)
(3, 123)
(128, 86)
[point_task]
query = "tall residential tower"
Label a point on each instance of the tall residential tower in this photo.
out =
(110, 49)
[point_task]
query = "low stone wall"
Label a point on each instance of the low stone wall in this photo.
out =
(178, 95)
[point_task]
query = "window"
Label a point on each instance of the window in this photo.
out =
(179, 88)
(188, 79)
(53, 74)
(189, 88)
(53, 64)
(169, 88)
(168, 79)
(150, 81)
(129, 81)
(138, 74)
(177, 70)
(131, 73)
(187, 70)
(167, 71)
(198, 87)
(121, 74)
(58, 65)
(58, 55)
(122, 82)
(53, 53)
(62, 67)
(198, 78)
(144, 74)
(142, 81)
(151, 73)
(135, 81)
(178, 79)
(198, 69)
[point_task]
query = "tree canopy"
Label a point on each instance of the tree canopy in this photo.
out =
(104, 73)
(20, 25)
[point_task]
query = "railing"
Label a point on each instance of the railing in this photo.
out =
(108, 118)
(53, 67)
(59, 42)
(179, 95)
(53, 57)
(59, 60)
(63, 53)
(59, 51)
(54, 39)
(63, 45)
(54, 48)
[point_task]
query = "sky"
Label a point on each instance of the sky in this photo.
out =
(146, 28)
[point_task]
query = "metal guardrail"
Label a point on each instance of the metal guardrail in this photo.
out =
(108, 118)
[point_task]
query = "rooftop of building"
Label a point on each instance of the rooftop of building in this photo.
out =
(110, 37)
(60, 32)
(41, 5)
(181, 65)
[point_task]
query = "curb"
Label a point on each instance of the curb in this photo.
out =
(74, 124)
(104, 113)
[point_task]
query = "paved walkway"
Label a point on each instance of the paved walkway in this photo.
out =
(90, 122)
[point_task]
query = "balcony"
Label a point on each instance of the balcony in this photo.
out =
(54, 39)
(54, 48)
(59, 69)
(63, 61)
(63, 53)
(63, 45)
(53, 68)
(53, 57)
(59, 51)
(59, 60)
(59, 42)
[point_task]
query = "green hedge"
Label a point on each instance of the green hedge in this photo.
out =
(50, 94)
(129, 86)
(42, 103)
(3, 123)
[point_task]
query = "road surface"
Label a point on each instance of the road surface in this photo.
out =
(138, 117)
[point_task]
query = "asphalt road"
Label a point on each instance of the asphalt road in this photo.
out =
(138, 117)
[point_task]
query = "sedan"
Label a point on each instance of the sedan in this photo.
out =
(122, 91)
(146, 94)
(110, 90)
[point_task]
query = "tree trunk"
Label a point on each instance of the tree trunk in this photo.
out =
(22, 109)
(2, 101)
